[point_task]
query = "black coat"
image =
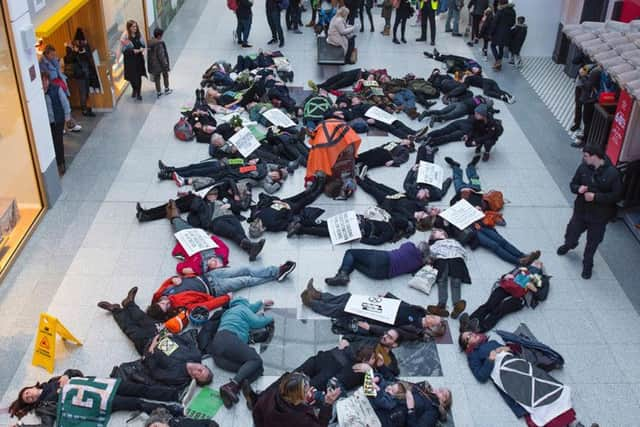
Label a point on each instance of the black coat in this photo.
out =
(505, 19)
(478, 6)
(244, 9)
(134, 66)
(605, 182)
(404, 10)
(518, 35)
(157, 57)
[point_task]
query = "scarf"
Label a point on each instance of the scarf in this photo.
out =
(471, 347)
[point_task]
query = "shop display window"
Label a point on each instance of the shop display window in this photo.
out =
(20, 196)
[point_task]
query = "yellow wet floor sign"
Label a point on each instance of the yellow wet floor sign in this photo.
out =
(44, 353)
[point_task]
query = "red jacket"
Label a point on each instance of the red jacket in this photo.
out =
(195, 261)
(190, 299)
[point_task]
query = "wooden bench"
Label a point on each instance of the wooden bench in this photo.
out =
(328, 54)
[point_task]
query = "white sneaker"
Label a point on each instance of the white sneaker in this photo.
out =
(76, 128)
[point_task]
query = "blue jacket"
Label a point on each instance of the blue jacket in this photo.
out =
(481, 368)
(241, 317)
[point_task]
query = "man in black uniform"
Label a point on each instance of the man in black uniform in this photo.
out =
(598, 188)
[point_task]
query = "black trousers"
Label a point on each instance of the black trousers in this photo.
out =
(320, 369)
(475, 26)
(374, 158)
(577, 115)
(366, 5)
(292, 16)
(587, 116)
(595, 229)
(402, 22)
(341, 80)
(396, 128)
(306, 197)
(273, 19)
(231, 354)
(165, 80)
(57, 133)
(430, 15)
(491, 88)
(136, 85)
(228, 226)
(129, 397)
(136, 325)
(351, 44)
(160, 212)
(499, 304)
(376, 190)
(454, 131)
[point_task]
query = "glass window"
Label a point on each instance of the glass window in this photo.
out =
(20, 201)
(116, 15)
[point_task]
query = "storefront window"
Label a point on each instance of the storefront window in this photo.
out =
(20, 200)
(116, 15)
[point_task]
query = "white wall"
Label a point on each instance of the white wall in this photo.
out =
(542, 18)
(20, 19)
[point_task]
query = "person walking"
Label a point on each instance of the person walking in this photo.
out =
(598, 187)
(158, 62)
(59, 111)
(133, 48)
(453, 16)
(245, 17)
(477, 8)
(428, 9)
(501, 32)
(403, 12)
(273, 18)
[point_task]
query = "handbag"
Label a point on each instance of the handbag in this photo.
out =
(424, 279)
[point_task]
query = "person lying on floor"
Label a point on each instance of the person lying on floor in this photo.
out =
(375, 229)
(216, 216)
(348, 78)
(454, 63)
(274, 214)
(400, 403)
(383, 340)
(418, 191)
(423, 91)
(258, 173)
(481, 233)
(212, 289)
(457, 130)
(44, 398)
(511, 295)
(160, 417)
(451, 89)
(456, 110)
(290, 401)
(316, 107)
(392, 153)
(514, 376)
(231, 350)
(412, 321)
(449, 258)
(378, 264)
(489, 87)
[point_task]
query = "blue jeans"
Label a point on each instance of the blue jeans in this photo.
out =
(224, 280)
(489, 238)
(453, 15)
(370, 262)
(458, 180)
(331, 305)
(244, 27)
(442, 6)
(405, 98)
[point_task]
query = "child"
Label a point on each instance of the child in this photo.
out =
(518, 36)
(158, 61)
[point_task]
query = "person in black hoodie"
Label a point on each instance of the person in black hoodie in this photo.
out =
(518, 36)
(273, 18)
(245, 16)
(598, 187)
(501, 31)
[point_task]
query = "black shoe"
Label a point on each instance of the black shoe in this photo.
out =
(285, 270)
(428, 54)
(403, 41)
(456, 34)
(272, 41)
(255, 249)
(562, 250)
(139, 98)
(246, 45)
(486, 156)
(577, 144)
(586, 273)
(249, 395)
(396, 41)
(423, 115)
(281, 43)
(574, 128)
(432, 43)
(165, 175)
(88, 113)
(164, 167)
(445, 185)
(422, 132)
(452, 162)
(421, 39)
(340, 279)
(229, 394)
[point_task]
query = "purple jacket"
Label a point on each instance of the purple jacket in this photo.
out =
(406, 259)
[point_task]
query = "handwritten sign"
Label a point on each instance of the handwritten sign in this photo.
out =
(344, 228)
(430, 173)
(245, 142)
(194, 240)
(380, 115)
(462, 214)
(356, 411)
(377, 308)
(278, 118)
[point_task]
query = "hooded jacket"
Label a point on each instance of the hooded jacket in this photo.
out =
(241, 317)
(190, 299)
(504, 19)
(167, 363)
(518, 36)
(607, 186)
(157, 57)
(198, 260)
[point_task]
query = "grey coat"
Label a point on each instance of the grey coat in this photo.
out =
(157, 57)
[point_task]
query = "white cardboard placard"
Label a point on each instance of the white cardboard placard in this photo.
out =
(380, 115)
(344, 227)
(462, 214)
(430, 173)
(245, 142)
(194, 240)
(377, 308)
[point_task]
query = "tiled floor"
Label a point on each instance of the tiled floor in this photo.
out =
(90, 247)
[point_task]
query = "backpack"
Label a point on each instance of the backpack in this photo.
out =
(232, 5)
(494, 200)
(183, 130)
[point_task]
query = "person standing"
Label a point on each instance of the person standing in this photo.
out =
(387, 11)
(501, 32)
(245, 17)
(428, 9)
(133, 49)
(477, 8)
(366, 5)
(292, 17)
(273, 18)
(79, 63)
(453, 15)
(59, 111)
(598, 187)
(158, 61)
(403, 13)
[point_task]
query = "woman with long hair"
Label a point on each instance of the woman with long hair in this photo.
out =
(133, 48)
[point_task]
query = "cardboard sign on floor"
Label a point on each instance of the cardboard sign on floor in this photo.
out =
(44, 353)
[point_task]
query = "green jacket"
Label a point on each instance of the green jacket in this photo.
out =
(241, 318)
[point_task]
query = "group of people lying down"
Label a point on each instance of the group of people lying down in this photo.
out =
(217, 196)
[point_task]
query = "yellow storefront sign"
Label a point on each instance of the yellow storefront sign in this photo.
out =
(44, 353)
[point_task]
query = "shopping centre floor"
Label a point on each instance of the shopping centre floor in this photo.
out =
(90, 247)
